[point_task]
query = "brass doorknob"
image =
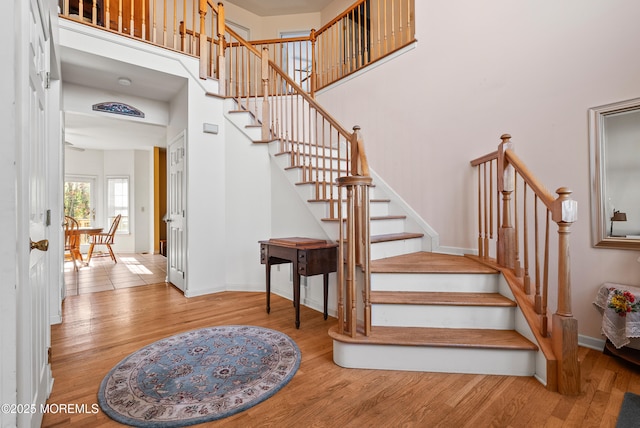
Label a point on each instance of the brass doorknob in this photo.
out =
(40, 245)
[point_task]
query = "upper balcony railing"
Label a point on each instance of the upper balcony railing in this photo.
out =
(368, 31)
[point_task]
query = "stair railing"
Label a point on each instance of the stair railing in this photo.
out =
(171, 24)
(514, 215)
(366, 32)
(355, 241)
(330, 158)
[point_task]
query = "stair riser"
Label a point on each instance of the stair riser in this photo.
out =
(309, 150)
(383, 227)
(435, 359)
(308, 189)
(241, 119)
(381, 250)
(326, 172)
(297, 175)
(376, 208)
(398, 315)
(435, 282)
(253, 132)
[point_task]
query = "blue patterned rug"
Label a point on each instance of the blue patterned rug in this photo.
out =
(199, 376)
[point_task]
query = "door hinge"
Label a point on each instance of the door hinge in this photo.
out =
(47, 80)
(49, 355)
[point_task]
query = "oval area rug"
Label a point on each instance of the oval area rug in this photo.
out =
(198, 376)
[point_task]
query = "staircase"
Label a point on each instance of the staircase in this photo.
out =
(439, 313)
(430, 312)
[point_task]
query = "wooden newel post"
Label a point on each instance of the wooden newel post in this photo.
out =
(506, 246)
(203, 40)
(565, 327)
(222, 69)
(266, 131)
(313, 63)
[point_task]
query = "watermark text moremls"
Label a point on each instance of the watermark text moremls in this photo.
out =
(70, 408)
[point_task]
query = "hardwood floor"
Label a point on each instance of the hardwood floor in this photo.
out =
(102, 328)
(102, 274)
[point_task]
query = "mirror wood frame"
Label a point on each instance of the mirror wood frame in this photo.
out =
(600, 217)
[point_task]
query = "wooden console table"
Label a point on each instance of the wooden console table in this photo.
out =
(309, 257)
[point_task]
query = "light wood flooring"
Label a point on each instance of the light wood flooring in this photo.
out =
(102, 274)
(102, 328)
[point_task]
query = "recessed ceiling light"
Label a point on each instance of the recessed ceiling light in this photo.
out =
(124, 81)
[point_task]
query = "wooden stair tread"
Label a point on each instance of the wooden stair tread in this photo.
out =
(441, 298)
(441, 337)
(427, 262)
(374, 218)
(321, 183)
(335, 200)
(395, 237)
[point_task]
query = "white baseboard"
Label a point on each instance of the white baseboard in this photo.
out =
(591, 342)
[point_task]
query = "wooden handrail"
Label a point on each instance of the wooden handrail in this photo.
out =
(517, 187)
(545, 196)
(484, 159)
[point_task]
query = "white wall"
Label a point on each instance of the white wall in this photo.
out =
(531, 69)
(206, 194)
(80, 99)
(142, 202)
(247, 209)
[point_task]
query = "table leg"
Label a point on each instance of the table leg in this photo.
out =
(268, 281)
(296, 294)
(326, 294)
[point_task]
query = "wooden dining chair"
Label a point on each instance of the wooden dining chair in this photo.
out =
(72, 240)
(104, 238)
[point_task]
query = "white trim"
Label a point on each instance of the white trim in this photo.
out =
(591, 342)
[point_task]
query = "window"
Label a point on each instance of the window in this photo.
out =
(118, 201)
(79, 199)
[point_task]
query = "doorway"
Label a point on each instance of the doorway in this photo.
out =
(80, 202)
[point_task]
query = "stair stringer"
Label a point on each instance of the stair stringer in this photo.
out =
(411, 223)
(414, 223)
(523, 327)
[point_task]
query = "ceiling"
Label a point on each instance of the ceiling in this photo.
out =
(104, 131)
(281, 7)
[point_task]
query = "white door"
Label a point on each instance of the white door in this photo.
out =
(176, 224)
(33, 341)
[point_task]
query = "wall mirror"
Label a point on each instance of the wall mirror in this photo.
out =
(614, 140)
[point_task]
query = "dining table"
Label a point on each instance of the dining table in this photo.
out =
(86, 231)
